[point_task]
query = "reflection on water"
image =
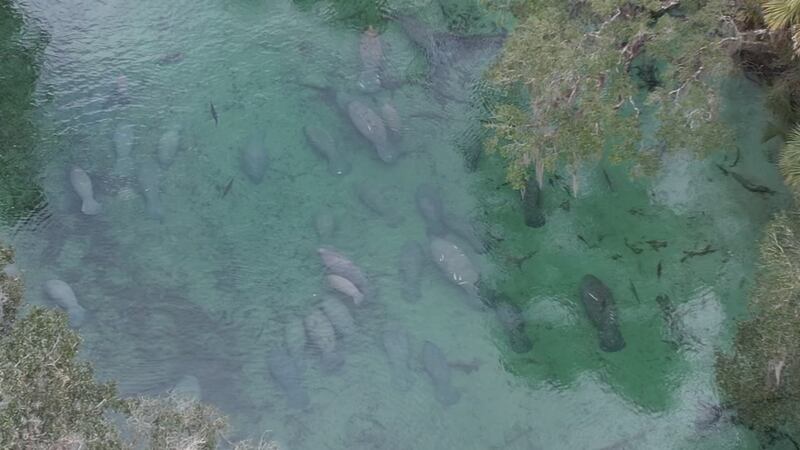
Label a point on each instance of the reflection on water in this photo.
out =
(277, 208)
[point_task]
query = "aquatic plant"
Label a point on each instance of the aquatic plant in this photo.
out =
(760, 377)
(49, 397)
(590, 71)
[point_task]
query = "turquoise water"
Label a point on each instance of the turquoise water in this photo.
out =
(207, 289)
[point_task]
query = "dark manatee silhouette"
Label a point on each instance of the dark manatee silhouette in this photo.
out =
(376, 202)
(462, 227)
(431, 208)
(412, 261)
(323, 144)
(510, 317)
(254, 159)
(435, 364)
(599, 304)
(532, 204)
(288, 376)
(451, 57)
(397, 348)
(149, 176)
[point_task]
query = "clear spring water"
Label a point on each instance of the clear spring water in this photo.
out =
(207, 291)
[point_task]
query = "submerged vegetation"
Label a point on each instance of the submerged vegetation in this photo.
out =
(49, 397)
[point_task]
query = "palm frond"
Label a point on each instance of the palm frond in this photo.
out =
(790, 160)
(781, 13)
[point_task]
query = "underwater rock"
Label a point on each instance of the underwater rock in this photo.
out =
(82, 185)
(435, 364)
(532, 205)
(599, 304)
(61, 293)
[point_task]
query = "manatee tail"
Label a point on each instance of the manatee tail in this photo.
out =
(91, 207)
(77, 316)
(332, 362)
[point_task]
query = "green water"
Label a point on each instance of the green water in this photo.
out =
(208, 290)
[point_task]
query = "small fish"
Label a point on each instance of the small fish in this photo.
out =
(582, 239)
(635, 293)
(738, 155)
(214, 114)
(658, 270)
(608, 181)
(691, 254)
(656, 244)
(227, 188)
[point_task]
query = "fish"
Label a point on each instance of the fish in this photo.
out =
(344, 286)
(634, 292)
(658, 270)
(82, 185)
(227, 188)
(510, 317)
(435, 364)
(397, 348)
(288, 376)
(598, 302)
(61, 293)
(214, 113)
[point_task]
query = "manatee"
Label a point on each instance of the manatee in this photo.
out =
(254, 160)
(431, 208)
(412, 260)
(376, 203)
(61, 293)
(325, 224)
(371, 126)
(322, 336)
(391, 118)
(463, 228)
(369, 80)
(123, 147)
(599, 304)
(82, 185)
(510, 317)
(436, 366)
(339, 315)
(11, 271)
(371, 52)
(294, 336)
(150, 185)
(324, 145)
(455, 264)
(288, 376)
(532, 205)
(344, 286)
(168, 147)
(397, 348)
(188, 389)
(337, 264)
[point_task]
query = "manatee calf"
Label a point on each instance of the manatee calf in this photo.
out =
(337, 264)
(412, 260)
(168, 147)
(82, 185)
(187, 389)
(436, 367)
(376, 203)
(324, 145)
(397, 348)
(532, 205)
(254, 160)
(391, 118)
(455, 264)
(61, 293)
(371, 126)
(123, 147)
(344, 286)
(150, 185)
(322, 336)
(325, 224)
(339, 315)
(431, 208)
(288, 376)
(599, 304)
